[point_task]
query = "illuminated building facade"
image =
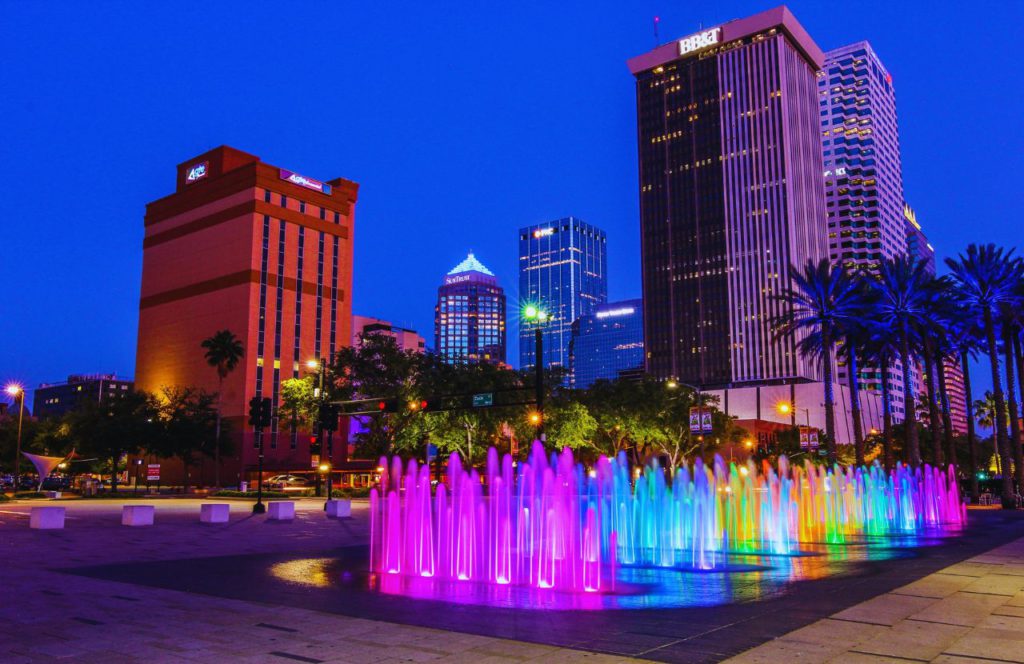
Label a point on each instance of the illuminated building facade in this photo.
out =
(861, 150)
(563, 268)
(405, 338)
(263, 252)
(469, 319)
(731, 195)
(59, 399)
(920, 249)
(607, 343)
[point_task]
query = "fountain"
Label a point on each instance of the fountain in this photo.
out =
(550, 524)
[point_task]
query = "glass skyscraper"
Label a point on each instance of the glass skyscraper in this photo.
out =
(469, 319)
(607, 343)
(563, 272)
(731, 196)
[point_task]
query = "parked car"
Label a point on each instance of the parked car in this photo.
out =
(56, 483)
(287, 482)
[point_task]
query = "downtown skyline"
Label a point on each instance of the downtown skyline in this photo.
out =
(112, 189)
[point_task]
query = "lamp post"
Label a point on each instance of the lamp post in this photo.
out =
(322, 425)
(785, 408)
(532, 313)
(16, 390)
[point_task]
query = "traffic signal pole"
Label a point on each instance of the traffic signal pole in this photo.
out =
(538, 369)
(259, 507)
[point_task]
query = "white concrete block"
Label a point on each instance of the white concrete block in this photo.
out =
(137, 515)
(214, 512)
(53, 494)
(281, 510)
(339, 509)
(46, 518)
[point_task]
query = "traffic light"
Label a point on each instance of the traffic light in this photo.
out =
(255, 412)
(314, 445)
(328, 417)
(266, 412)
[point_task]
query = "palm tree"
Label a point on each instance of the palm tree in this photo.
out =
(223, 352)
(964, 342)
(823, 297)
(1010, 327)
(900, 306)
(880, 350)
(985, 278)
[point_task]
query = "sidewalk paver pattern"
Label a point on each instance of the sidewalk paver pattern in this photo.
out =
(972, 611)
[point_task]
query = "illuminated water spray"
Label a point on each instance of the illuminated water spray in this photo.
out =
(549, 523)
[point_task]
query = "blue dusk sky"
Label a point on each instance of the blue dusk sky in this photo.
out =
(460, 121)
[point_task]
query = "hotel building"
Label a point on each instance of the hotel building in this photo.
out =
(563, 271)
(263, 252)
(731, 195)
(469, 319)
(59, 399)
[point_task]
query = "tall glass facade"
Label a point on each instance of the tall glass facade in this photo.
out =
(469, 319)
(731, 196)
(562, 271)
(608, 342)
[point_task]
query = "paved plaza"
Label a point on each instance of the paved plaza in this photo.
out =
(251, 591)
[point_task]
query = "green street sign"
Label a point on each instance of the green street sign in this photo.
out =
(483, 400)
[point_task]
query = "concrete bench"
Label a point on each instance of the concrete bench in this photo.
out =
(214, 512)
(137, 515)
(281, 510)
(46, 518)
(339, 509)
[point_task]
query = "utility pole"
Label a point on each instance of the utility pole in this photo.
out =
(538, 369)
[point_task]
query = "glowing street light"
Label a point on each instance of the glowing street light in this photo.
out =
(671, 384)
(784, 408)
(533, 313)
(17, 391)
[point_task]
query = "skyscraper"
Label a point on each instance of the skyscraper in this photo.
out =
(861, 150)
(607, 343)
(469, 320)
(258, 250)
(563, 270)
(731, 195)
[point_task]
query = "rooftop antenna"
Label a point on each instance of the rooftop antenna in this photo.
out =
(657, 20)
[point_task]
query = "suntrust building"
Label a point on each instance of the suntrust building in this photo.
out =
(731, 195)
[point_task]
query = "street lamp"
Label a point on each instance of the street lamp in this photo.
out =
(321, 396)
(18, 391)
(532, 313)
(785, 408)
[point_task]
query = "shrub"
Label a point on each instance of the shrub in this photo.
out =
(29, 495)
(226, 493)
(349, 493)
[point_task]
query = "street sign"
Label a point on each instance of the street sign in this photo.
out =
(483, 400)
(314, 460)
(813, 439)
(153, 472)
(694, 419)
(705, 420)
(431, 451)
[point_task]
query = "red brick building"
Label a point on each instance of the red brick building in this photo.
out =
(258, 250)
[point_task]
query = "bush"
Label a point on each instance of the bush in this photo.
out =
(349, 493)
(29, 495)
(226, 493)
(4, 498)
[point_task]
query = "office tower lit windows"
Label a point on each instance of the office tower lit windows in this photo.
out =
(731, 195)
(258, 250)
(861, 151)
(469, 319)
(563, 270)
(607, 343)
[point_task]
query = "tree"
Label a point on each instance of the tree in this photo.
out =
(188, 421)
(963, 340)
(115, 428)
(900, 307)
(570, 424)
(223, 352)
(822, 299)
(985, 278)
(298, 403)
(621, 414)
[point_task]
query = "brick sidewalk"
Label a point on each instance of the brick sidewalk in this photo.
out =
(969, 612)
(48, 616)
